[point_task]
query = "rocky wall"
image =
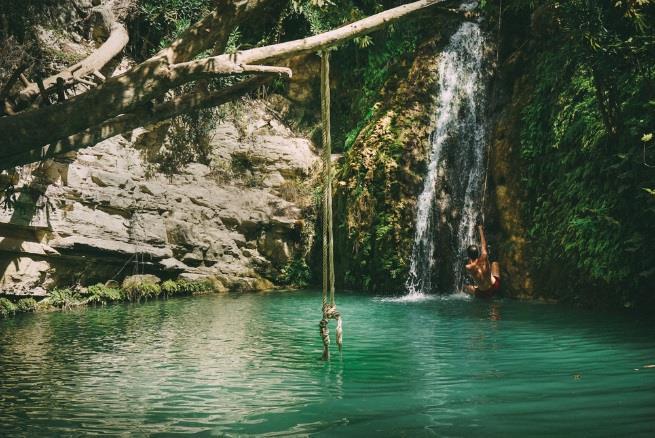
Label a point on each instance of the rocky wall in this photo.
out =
(102, 213)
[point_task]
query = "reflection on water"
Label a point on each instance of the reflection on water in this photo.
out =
(250, 364)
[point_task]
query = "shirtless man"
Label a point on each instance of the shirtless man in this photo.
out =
(485, 275)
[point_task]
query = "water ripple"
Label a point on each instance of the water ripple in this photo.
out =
(250, 365)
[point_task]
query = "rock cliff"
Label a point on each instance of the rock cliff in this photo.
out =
(101, 213)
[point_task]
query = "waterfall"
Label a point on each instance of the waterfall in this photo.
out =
(457, 149)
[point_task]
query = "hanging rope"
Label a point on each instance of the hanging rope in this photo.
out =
(329, 306)
(500, 24)
(486, 176)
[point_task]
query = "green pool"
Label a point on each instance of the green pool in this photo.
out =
(233, 365)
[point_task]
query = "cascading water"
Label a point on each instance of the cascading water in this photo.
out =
(458, 147)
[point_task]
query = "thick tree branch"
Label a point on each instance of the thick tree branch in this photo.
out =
(197, 70)
(268, 54)
(120, 94)
(98, 59)
(141, 117)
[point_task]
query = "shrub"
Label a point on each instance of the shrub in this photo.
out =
(137, 287)
(26, 305)
(7, 308)
(296, 273)
(63, 298)
(194, 286)
(170, 288)
(101, 294)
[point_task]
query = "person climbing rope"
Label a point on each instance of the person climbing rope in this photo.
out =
(485, 275)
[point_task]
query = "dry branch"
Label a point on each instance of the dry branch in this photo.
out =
(98, 59)
(12, 80)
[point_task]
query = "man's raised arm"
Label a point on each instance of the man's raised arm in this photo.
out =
(483, 241)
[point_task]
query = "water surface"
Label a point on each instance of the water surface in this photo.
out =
(233, 365)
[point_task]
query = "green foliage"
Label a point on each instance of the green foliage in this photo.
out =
(189, 137)
(185, 287)
(101, 294)
(170, 288)
(137, 288)
(361, 67)
(232, 45)
(296, 273)
(381, 60)
(7, 308)
(161, 21)
(191, 287)
(585, 144)
(26, 305)
(63, 298)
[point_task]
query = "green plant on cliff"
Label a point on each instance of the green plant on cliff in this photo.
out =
(185, 287)
(170, 288)
(7, 308)
(191, 287)
(26, 305)
(63, 298)
(101, 294)
(377, 69)
(138, 288)
(161, 21)
(295, 273)
(384, 163)
(592, 224)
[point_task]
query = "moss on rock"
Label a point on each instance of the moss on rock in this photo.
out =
(381, 176)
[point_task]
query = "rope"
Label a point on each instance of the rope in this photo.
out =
(329, 308)
(325, 120)
(500, 22)
(121, 269)
(486, 176)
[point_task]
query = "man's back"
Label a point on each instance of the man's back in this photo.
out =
(480, 271)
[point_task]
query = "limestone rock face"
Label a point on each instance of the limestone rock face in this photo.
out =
(107, 216)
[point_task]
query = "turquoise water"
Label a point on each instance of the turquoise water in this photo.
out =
(234, 365)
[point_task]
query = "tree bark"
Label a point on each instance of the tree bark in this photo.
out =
(171, 67)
